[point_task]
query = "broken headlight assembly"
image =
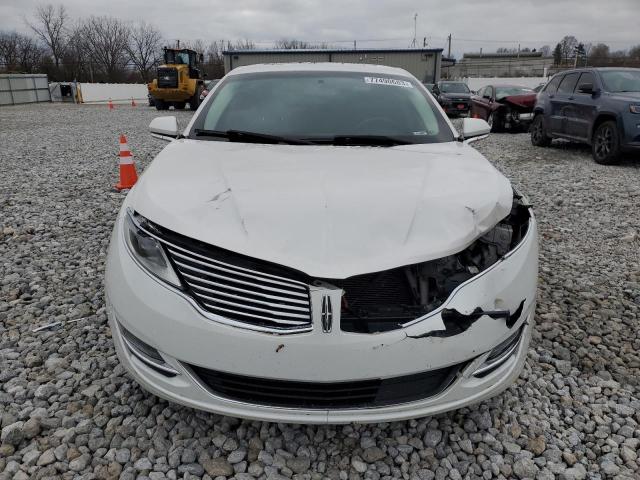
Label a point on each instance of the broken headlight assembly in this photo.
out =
(146, 249)
(391, 299)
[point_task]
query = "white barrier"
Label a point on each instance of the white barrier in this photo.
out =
(531, 82)
(116, 92)
(16, 89)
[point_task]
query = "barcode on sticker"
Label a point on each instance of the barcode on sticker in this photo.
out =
(388, 81)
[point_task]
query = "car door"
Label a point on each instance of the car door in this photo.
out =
(560, 104)
(582, 109)
(484, 101)
(476, 99)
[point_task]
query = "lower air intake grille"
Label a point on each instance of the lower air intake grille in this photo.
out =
(316, 395)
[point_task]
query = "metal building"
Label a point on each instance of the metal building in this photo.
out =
(423, 63)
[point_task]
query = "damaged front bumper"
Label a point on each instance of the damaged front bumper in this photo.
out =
(233, 371)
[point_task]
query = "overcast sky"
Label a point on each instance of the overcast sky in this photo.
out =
(474, 24)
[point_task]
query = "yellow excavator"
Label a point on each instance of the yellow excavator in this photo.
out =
(179, 80)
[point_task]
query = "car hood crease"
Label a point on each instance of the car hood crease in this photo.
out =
(330, 212)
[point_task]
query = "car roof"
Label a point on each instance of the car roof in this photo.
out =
(597, 69)
(320, 67)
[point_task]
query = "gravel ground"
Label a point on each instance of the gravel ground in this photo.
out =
(68, 409)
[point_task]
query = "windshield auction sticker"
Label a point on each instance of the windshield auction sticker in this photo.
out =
(388, 81)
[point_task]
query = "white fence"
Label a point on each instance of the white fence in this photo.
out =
(116, 92)
(16, 89)
(477, 83)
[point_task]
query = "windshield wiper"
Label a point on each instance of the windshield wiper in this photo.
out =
(250, 137)
(365, 140)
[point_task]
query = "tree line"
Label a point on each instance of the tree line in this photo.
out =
(97, 48)
(570, 52)
(104, 48)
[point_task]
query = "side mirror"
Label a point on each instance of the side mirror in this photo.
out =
(474, 128)
(164, 128)
(586, 88)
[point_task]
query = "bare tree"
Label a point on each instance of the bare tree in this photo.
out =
(9, 50)
(107, 39)
(76, 61)
(599, 52)
(197, 45)
(244, 44)
(144, 48)
(30, 54)
(634, 52)
(49, 24)
(546, 50)
(568, 45)
(292, 44)
(214, 59)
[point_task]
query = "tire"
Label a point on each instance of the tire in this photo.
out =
(179, 105)
(494, 122)
(605, 144)
(194, 102)
(539, 137)
(161, 104)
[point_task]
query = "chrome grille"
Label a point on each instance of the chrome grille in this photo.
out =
(250, 296)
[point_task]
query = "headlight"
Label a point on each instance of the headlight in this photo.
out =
(634, 108)
(147, 250)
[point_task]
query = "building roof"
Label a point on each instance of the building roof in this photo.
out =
(320, 67)
(503, 55)
(332, 50)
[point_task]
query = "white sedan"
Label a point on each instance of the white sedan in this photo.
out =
(320, 245)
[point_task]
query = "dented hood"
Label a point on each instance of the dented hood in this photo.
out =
(328, 211)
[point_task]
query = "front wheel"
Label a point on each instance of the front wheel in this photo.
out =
(606, 143)
(161, 104)
(194, 102)
(494, 121)
(539, 137)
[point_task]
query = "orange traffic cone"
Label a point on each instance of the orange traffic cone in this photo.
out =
(133, 102)
(110, 105)
(128, 175)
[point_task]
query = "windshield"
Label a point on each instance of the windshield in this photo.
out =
(454, 87)
(322, 106)
(621, 80)
(502, 92)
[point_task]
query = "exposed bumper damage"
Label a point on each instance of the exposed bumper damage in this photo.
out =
(391, 299)
(516, 110)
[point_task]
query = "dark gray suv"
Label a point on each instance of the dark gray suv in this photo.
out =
(597, 106)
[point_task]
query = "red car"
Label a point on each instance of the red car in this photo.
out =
(504, 107)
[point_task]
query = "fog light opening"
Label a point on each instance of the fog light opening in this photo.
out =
(146, 354)
(500, 354)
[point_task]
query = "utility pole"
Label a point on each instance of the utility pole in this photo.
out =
(449, 49)
(415, 30)
(354, 44)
